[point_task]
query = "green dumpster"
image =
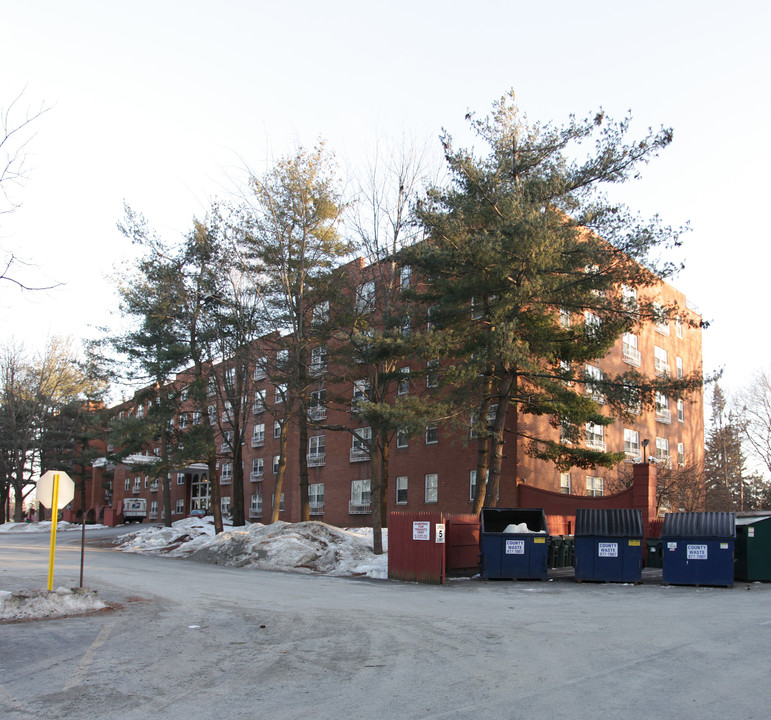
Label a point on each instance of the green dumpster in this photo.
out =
(753, 548)
(653, 553)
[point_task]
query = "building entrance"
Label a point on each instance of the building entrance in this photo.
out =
(199, 492)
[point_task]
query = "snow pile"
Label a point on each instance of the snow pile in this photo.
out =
(45, 526)
(311, 547)
(522, 528)
(37, 604)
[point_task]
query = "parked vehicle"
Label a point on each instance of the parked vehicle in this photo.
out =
(134, 510)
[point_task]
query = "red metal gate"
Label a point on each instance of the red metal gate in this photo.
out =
(413, 551)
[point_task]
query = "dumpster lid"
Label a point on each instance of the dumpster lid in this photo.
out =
(609, 522)
(751, 520)
(699, 524)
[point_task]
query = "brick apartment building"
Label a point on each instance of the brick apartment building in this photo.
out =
(435, 471)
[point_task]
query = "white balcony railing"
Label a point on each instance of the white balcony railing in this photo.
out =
(595, 443)
(316, 459)
(258, 408)
(226, 480)
(256, 476)
(154, 487)
(317, 412)
(225, 448)
(253, 514)
(359, 454)
(317, 508)
(359, 508)
(663, 415)
(631, 355)
(153, 515)
(258, 441)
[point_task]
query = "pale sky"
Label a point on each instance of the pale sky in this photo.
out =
(163, 103)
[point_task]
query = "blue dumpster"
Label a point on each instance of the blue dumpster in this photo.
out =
(698, 548)
(514, 543)
(608, 545)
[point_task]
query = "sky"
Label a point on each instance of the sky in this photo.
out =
(164, 104)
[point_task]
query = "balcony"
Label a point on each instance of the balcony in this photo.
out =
(631, 355)
(154, 487)
(317, 459)
(255, 514)
(359, 454)
(256, 475)
(596, 443)
(226, 480)
(227, 416)
(359, 508)
(225, 448)
(663, 415)
(317, 508)
(258, 408)
(153, 515)
(316, 413)
(136, 490)
(258, 441)
(661, 368)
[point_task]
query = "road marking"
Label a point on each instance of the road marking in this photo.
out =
(88, 657)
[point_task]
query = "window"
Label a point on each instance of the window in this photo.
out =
(279, 393)
(180, 507)
(564, 318)
(405, 277)
(679, 366)
(595, 437)
(432, 434)
(401, 490)
(630, 353)
(211, 411)
(255, 506)
(316, 450)
(631, 443)
(227, 441)
(432, 374)
(660, 319)
(276, 459)
(320, 314)
(629, 297)
(276, 428)
(316, 497)
(405, 327)
(679, 326)
(196, 418)
(183, 421)
(404, 381)
(140, 411)
(258, 468)
(365, 297)
(137, 483)
(360, 494)
(662, 449)
(492, 413)
(360, 444)
(259, 402)
(477, 308)
(633, 402)
(147, 480)
(681, 454)
(318, 405)
(230, 378)
(318, 360)
(180, 478)
(225, 504)
(594, 376)
(282, 359)
(662, 408)
(430, 313)
(401, 438)
(280, 501)
(660, 361)
(258, 437)
(595, 486)
(127, 484)
(432, 488)
(565, 483)
(227, 471)
(260, 368)
(360, 393)
(592, 324)
(680, 411)
(154, 509)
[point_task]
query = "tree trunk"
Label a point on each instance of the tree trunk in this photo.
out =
(497, 443)
(276, 509)
(214, 491)
(166, 471)
(305, 512)
(374, 494)
(385, 465)
(237, 505)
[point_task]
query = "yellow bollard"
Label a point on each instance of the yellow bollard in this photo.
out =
(54, 521)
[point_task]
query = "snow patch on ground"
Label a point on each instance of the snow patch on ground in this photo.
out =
(38, 604)
(45, 526)
(309, 547)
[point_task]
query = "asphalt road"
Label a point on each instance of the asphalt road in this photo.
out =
(195, 641)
